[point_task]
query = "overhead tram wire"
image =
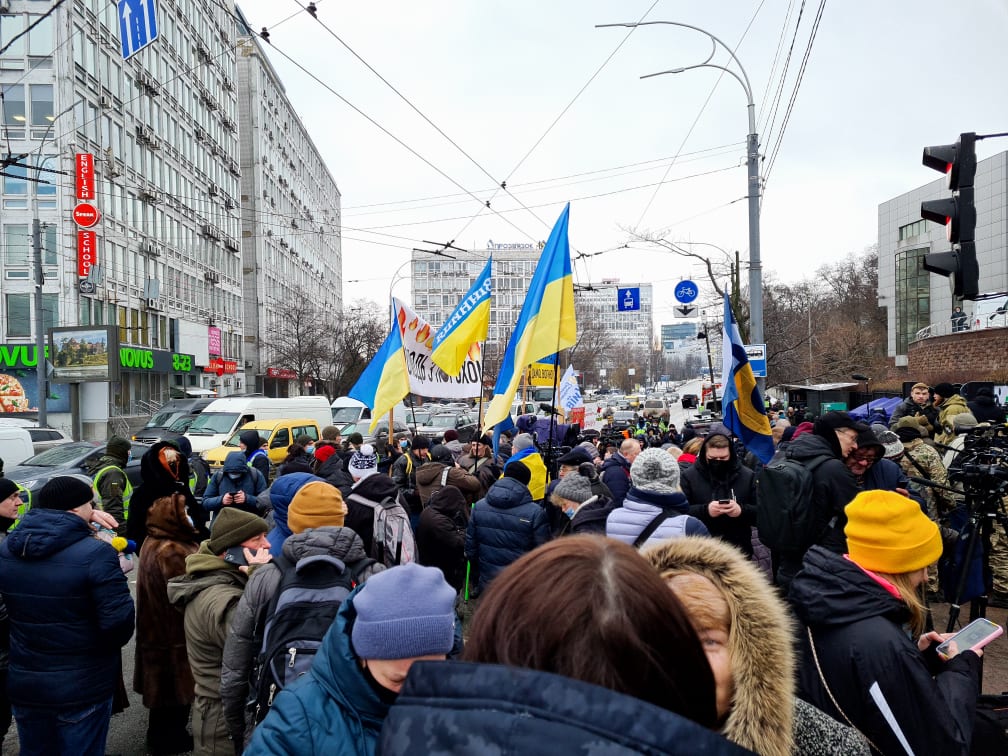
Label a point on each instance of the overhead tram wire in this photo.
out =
(776, 60)
(696, 120)
(389, 134)
(772, 112)
(794, 93)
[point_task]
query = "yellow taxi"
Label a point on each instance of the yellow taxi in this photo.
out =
(278, 434)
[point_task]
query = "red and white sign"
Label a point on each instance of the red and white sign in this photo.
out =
(221, 367)
(213, 341)
(86, 215)
(284, 373)
(84, 165)
(86, 252)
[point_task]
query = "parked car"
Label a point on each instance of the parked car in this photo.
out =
(655, 409)
(399, 431)
(673, 397)
(67, 459)
(278, 434)
(623, 419)
(462, 422)
(690, 401)
(158, 428)
(47, 438)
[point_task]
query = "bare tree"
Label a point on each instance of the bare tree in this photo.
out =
(351, 339)
(296, 341)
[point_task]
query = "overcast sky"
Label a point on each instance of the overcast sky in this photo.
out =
(882, 80)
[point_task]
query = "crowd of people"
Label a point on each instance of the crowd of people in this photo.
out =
(454, 598)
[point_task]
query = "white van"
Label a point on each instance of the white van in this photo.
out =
(15, 445)
(215, 424)
(347, 410)
(990, 313)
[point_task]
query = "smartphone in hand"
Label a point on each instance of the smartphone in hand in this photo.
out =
(975, 635)
(236, 555)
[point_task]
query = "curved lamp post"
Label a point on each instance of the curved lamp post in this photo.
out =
(752, 162)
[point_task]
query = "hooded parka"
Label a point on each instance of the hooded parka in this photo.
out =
(158, 482)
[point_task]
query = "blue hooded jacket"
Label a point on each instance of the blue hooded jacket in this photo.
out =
(332, 709)
(70, 611)
(251, 482)
(281, 493)
(460, 707)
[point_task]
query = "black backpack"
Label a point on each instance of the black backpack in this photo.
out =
(299, 615)
(786, 516)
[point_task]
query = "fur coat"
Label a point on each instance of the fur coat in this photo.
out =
(161, 673)
(760, 646)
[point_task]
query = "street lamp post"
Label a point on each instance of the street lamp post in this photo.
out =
(752, 163)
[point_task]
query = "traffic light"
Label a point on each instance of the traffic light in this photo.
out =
(957, 214)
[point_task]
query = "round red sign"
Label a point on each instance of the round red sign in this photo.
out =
(86, 215)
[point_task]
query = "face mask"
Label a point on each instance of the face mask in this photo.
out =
(129, 457)
(310, 449)
(719, 467)
(235, 476)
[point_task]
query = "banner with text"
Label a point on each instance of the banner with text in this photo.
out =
(426, 378)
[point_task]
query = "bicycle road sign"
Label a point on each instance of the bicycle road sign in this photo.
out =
(686, 291)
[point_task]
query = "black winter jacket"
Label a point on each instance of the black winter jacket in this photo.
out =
(834, 487)
(440, 534)
(909, 408)
(875, 671)
(334, 471)
(503, 526)
(616, 475)
(985, 409)
(156, 484)
(70, 612)
(701, 488)
(535, 713)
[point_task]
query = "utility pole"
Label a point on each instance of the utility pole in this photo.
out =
(40, 337)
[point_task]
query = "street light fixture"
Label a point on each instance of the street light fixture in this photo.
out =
(752, 163)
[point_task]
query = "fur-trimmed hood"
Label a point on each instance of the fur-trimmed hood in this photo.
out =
(760, 641)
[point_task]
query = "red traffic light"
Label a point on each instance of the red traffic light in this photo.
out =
(957, 160)
(957, 214)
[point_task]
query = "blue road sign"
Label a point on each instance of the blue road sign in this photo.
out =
(686, 291)
(137, 25)
(756, 354)
(627, 300)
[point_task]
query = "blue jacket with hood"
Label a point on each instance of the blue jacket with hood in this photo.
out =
(503, 525)
(248, 480)
(332, 709)
(280, 495)
(70, 611)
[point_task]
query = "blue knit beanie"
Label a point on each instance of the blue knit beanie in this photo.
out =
(405, 612)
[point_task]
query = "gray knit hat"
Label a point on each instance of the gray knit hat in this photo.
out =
(589, 447)
(892, 443)
(574, 487)
(654, 470)
(522, 441)
(403, 613)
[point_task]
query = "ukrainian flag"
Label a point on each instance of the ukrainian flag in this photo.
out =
(469, 323)
(532, 459)
(546, 324)
(744, 411)
(384, 382)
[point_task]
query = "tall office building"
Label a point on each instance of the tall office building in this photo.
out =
(290, 204)
(152, 144)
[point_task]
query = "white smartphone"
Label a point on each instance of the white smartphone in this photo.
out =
(975, 635)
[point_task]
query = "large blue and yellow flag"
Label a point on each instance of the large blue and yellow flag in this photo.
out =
(469, 323)
(744, 412)
(384, 382)
(546, 324)
(532, 459)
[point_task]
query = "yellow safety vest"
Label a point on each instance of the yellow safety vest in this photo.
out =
(127, 492)
(23, 507)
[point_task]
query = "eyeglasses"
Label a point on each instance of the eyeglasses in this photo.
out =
(866, 458)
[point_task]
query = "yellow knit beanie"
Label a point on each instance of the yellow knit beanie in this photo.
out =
(317, 504)
(887, 532)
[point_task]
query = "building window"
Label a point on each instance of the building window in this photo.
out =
(16, 245)
(910, 230)
(50, 311)
(18, 314)
(913, 296)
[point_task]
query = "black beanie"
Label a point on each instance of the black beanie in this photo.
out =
(7, 488)
(117, 446)
(65, 492)
(519, 472)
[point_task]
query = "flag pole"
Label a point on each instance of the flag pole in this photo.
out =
(479, 409)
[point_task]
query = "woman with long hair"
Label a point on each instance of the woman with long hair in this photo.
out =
(576, 647)
(867, 660)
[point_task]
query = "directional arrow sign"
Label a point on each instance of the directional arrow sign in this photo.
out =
(685, 311)
(628, 300)
(137, 25)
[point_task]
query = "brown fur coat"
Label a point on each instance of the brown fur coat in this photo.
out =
(759, 643)
(161, 673)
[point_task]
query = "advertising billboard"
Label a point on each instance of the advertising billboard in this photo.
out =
(82, 354)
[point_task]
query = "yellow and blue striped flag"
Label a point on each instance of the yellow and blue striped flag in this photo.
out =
(532, 459)
(744, 411)
(546, 324)
(469, 323)
(384, 382)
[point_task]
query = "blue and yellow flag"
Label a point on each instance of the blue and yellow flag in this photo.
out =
(546, 324)
(384, 382)
(744, 412)
(468, 324)
(532, 459)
